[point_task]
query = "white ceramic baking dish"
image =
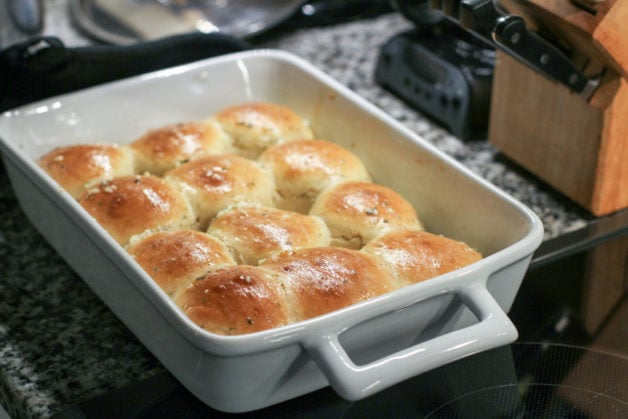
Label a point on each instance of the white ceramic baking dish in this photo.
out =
(358, 350)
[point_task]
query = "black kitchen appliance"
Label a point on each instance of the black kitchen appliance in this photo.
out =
(445, 73)
(441, 68)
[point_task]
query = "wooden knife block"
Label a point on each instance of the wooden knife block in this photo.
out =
(578, 146)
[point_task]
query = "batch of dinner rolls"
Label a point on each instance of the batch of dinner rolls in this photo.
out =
(248, 221)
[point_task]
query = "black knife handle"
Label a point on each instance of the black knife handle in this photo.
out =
(512, 35)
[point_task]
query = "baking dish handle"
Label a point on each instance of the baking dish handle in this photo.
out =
(354, 382)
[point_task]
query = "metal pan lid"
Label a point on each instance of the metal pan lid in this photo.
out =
(124, 22)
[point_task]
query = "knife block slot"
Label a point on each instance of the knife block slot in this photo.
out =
(576, 145)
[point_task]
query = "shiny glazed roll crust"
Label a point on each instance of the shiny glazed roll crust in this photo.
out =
(300, 212)
(253, 127)
(324, 279)
(235, 300)
(213, 183)
(255, 233)
(303, 168)
(73, 167)
(414, 256)
(166, 147)
(174, 259)
(130, 205)
(357, 212)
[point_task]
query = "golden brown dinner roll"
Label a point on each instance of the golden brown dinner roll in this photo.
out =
(176, 258)
(76, 165)
(323, 279)
(413, 256)
(303, 168)
(254, 233)
(212, 183)
(234, 300)
(130, 205)
(357, 212)
(253, 127)
(162, 149)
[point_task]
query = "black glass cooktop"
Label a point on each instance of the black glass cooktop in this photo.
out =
(570, 361)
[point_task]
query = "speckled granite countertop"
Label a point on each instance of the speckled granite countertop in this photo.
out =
(59, 344)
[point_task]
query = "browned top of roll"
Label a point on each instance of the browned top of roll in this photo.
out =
(76, 165)
(235, 300)
(303, 168)
(212, 183)
(176, 258)
(255, 126)
(324, 279)
(413, 256)
(255, 233)
(162, 149)
(130, 205)
(357, 212)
